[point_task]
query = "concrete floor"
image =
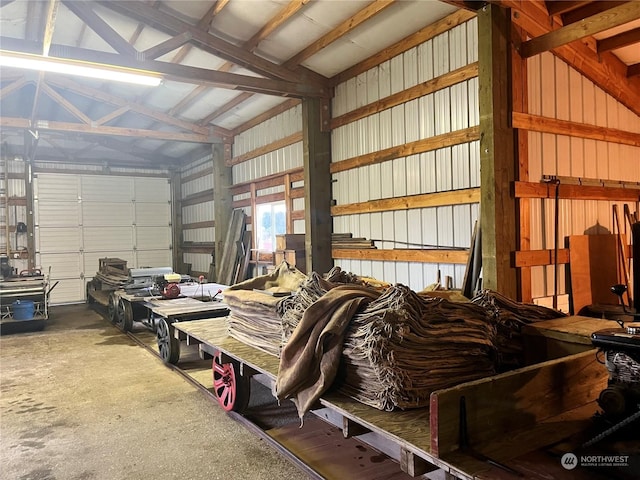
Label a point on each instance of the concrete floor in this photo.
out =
(81, 401)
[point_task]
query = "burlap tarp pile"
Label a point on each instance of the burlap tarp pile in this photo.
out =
(398, 347)
(510, 317)
(253, 319)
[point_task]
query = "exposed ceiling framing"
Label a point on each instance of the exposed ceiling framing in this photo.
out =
(228, 64)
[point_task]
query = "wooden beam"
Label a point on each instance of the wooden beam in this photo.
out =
(443, 81)
(271, 147)
(49, 25)
(198, 198)
(211, 44)
(25, 123)
(97, 94)
(633, 70)
(66, 104)
(274, 180)
(371, 10)
(132, 149)
(425, 200)
(274, 23)
(317, 182)
(621, 40)
(538, 123)
(84, 11)
(557, 7)
(186, 101)
(36, 97)
(421, 36)
(576, 192)
(196, 225)
(457, 137)
(597, 23)
(234, 102)
(588, 10)
(535, 258)
(458, 257)
(222, 200)
(113, 115)
(497, 153)
(14, 86)
(167, 46)
(203, 24)
(272, 112)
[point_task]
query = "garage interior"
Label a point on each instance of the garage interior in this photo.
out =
(468, 168)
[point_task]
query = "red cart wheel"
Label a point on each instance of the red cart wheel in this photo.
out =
(232, 389)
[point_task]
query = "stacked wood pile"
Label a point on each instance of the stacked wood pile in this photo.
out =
(253, 319)
(509, 317)
(347, 240)
(112, 273)
(403, 345)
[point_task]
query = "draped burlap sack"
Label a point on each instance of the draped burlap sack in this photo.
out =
(253, 319)
(509, 317)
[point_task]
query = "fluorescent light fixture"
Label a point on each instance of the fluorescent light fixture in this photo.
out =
(78, 67)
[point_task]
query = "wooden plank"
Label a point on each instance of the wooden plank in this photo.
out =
(271, 147)
(597, 23)
(49, 26)
(594, 262)
(621, 40)
(274, 180)
(458, 137)
(167, 46)
(437, 199)
(234, 102)
(443, 81)
(263, 117)
(576, 329)
(558, 8)
(539, 123)
(497, 208)
(533, 258)
(14, 86)
(576, 192)
(317, 181)
(407, 43)
(64, 103)
(403, 255)
(554, 397)
(194, 225)
(374, 8)
(197, 198)
(113, 115)
(222, 203)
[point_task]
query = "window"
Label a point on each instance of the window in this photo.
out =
(271, 222)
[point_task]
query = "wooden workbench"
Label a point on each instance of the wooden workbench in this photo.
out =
(560, 337)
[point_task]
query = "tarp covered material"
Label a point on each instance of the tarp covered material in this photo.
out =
(509, 317)
(253, 319)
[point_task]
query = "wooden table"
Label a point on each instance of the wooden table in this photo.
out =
(560, 337)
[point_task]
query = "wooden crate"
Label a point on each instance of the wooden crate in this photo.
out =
(290, 241)
(295, 258)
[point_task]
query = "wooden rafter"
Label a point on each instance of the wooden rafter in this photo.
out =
(25, 123)
(167, 46)
(188, 100)
(203, 24)
(33, 27)
(621, 40)
(600, 22)
(272, 112)
(36, 97)
(237, 100)
(588, 10)
(49, 25)
(64, 103)
(14, 86)
(559, 7)
(207, 42)
(56, 146)
(219, 5)
(131, 149)
(633, 70)
(345, 27)
(113, 115)
(84, 11)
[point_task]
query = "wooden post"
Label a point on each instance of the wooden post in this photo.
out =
(222, 200)
(317, 183)
(497, 153)
(176, 222)
(30, 145)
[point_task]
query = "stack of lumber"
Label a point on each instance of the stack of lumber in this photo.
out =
(112, 273)
(290, 248)
(510, 317)
(347, 240)
(253, 319)
(232, 267)
(402, 346)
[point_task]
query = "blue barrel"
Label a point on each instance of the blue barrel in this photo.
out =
(23, 310)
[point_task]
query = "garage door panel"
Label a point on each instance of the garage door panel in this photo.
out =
(108, 189)
(107, 214)
(54, 239)
(149, 189)
(63, 265)
(105, 239)
(56, 187)
(152, 214)
(154, 258)
(57, 214)
(92, 260)
(152, 238)
(68, 291)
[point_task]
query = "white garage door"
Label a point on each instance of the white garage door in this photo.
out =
(82, 218)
